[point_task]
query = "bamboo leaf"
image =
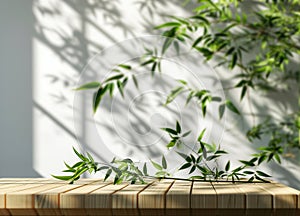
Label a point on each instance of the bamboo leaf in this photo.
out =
(185, 166)
(156, 165)
(170, 130)
(232, 107)
(201, 135)
(127, 67)
(145, 169)
(116, 77)
(178, 127)
(135, 81)
(164, 162)
(227, 167)
(91, 85)
(168, 24)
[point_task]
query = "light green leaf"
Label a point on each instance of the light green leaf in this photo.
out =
(201, 135)
(156, 165)
(168, 24)
(91, 85)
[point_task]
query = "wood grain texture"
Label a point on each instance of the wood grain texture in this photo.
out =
(128, 196)
(153, 197)
(229, 196)
(256, 198)
(203, 196)
(178, 196)
(166, 197)
(102, 198)
(283, 197)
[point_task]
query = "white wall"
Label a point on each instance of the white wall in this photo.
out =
(45, 46)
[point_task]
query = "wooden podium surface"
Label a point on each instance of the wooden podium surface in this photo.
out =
(39, 196)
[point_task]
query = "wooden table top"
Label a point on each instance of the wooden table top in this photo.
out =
(39, 196)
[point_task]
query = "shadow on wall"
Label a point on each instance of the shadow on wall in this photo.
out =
(68, 36)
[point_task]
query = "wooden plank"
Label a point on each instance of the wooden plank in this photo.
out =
(47, 202)
(178, 196)
(283, 197)
(13, 188)
(22, 202)
(73, 202)
(125, 201)
(229, 196)
(256, 198)
(99, 202)
(203, 196)
(127, 197)
(154, 195)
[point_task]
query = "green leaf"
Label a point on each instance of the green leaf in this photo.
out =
(248, 172)
(148, 62)
(174, 93)
(232, 107)
(65, 178)
(227, 167)
(116, 77)
(192, 169)
(277, 157)
(67, 165)
(98, 96)
(166, 44)
(145, 169)
(233, 60)
(124, 82)
(91, 85)
(108, 173)
(178, 127)
(111, 87)
(79, 155)
(171, 144)
(190, 96)
(164, 162)
(78, 164)
(201, 135)
(244, 90)
(170, 130)
(247, 163)
(260, 173)
(80, 172)
(212, 157)
(90, 157)
(168, 24)
(221, 152)
(199, 17)
(221, 110)
(156, 165)
(120, 87)
(153, 68)
(182, 81)
(184, 156)
(135, 81)
(261, 159)
(185, 166)
(260, 179)
(203, 149)
(186, 133)
(127, 67)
